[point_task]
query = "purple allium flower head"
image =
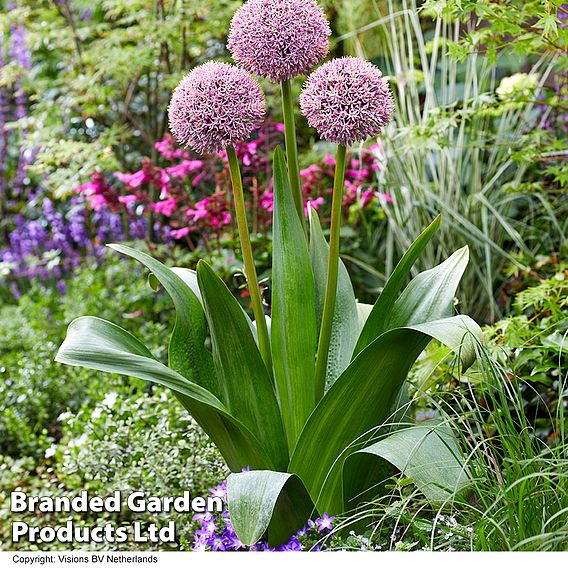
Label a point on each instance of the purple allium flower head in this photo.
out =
(346, 100)
(215, 106)
(279, 39)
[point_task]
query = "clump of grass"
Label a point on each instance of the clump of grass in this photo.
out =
(455, 148)
(518, 498)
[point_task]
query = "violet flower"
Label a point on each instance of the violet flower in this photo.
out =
(347, 100)
(216, 106)
(279, 39)
(216, 532)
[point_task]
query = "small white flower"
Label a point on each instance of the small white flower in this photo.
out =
(97, 413)
(110, 399)
(519, 84)
(64, 416)
(50, 452)
(80, 441)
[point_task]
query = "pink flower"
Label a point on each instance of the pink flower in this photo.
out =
(267, 201)
(87, 188)
(385, 198)
(127, 199)
(329, 160)
(97, 201)
(314, 204)
(200, 210)
(198, 178)
(165, 182)
(279, 127)
(165, 147)
(133, 180)
(358, 175)
(367, 197)
(166, 207)
(180, 233)
(313, 169)
(185, 168)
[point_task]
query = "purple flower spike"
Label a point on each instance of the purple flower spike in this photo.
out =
(346, 100)
(215, 106)
(279, 39)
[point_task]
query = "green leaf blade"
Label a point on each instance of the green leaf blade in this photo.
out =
(376, 321)
(97, 344)
(360, 403)
(186, 352)
(293, 325)
(261, 501)
(345, 326)
(430, 295)
(246, 387)
(426, 453)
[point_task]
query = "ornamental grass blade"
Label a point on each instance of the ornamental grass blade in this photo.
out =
(246, 387)
(186, 352)
(97, 344)
(293, 329)
(359, 403)
(376, 322)
(427, 453)
(261, 501)
(345, 327)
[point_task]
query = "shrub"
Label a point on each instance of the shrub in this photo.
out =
(34, 391)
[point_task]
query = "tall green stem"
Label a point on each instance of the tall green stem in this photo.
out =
(332, 272)
(248, 258)
(292, 150)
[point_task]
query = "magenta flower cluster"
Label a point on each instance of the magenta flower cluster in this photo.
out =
(216, 531)
(279, 39)
(347, 100)
(215, 106)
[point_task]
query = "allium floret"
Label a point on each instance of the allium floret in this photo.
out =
(347, 100)
(279, 39)
(215, 106)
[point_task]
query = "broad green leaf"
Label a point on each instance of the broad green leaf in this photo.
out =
(261, 501)
(345, 326)
(363, 312)
(426, 453)
(293, 329)
(360, 401)
(430, 295)
(186, 352)
(377, 320)
(103, 346)
(190, 278)
(246, 387)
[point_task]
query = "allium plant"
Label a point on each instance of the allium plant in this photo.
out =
(346, 100)
(279, 40)
(320, 424)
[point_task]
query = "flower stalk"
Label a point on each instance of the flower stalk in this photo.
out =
(248, 259)
(332, 273)
(292, 149)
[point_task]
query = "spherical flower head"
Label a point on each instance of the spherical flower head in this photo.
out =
(347, 100)
(279, 39)
(215, 106)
